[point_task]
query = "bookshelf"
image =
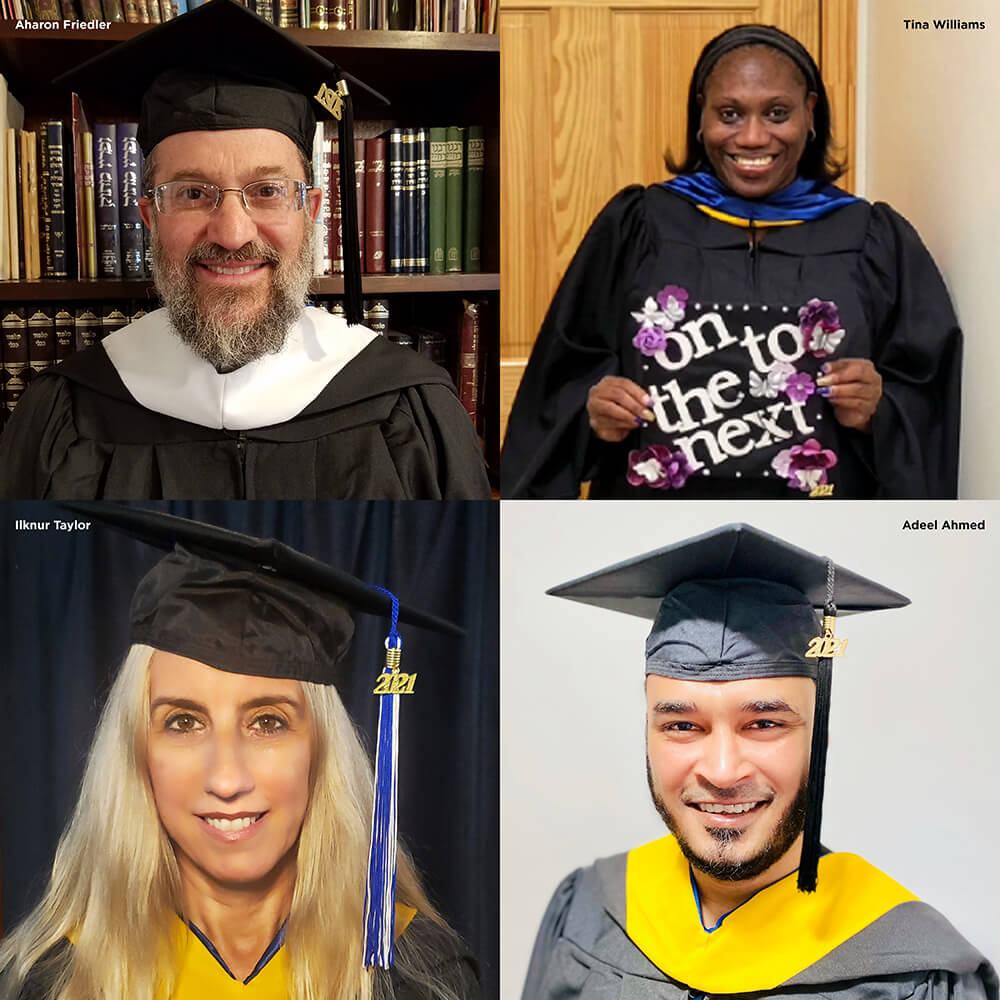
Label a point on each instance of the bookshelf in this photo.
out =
(430, 78)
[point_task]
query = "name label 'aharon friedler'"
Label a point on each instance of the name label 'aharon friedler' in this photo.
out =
(948, 524)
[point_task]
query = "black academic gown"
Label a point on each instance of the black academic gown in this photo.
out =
(388, 426)
(864, 258)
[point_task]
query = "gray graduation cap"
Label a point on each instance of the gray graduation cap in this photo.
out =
(221, 66)
(736, 603)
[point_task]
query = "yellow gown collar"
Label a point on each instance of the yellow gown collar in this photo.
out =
(740, 954)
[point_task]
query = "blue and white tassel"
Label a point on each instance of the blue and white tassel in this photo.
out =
(380, 889)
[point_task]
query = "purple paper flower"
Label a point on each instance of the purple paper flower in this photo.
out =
(800, 387)
(659, 467)
(649, 340)
(673, 301)
(819, 322)
(804, 465)
(817, 312)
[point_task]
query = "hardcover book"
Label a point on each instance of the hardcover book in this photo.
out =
(374, 242)
(454, 164)
(421, 198)
(395, 201)
(359, 195)
(130, 223)
(15, 353)
(475, 161)
(436, 211)
(65, 338)
(336, 213)
(59, 199)
(109, 248)
(377, 315)
(41, 340)
(86, 326)
(89, 213)
(468, 359)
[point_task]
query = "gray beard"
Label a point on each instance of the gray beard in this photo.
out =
(220, 329)
(784, 834)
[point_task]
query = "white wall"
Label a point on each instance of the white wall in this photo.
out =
(912, 769)
(930, 105)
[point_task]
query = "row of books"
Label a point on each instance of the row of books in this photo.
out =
(37, 336)
(420, 200)
(476, 16)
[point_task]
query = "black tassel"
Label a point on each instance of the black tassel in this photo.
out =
(817, 777)
(349, 216)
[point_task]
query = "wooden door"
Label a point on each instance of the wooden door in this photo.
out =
(591, 96)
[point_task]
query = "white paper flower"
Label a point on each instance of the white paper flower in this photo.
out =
(653, 315)
(774, 382)
(823, 342)
(651, 470)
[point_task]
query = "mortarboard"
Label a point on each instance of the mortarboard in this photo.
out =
(737, 603)
(257, 606)
(221, 66)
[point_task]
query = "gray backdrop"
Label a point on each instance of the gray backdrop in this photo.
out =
(912, 775)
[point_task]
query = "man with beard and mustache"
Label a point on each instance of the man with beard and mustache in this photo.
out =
(234, 389)
(742, 899)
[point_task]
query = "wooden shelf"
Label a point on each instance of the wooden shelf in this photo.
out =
(59, 290)
(419, 78)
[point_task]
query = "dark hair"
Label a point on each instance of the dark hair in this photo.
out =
(817, 162)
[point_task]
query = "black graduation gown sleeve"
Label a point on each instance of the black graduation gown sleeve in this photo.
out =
(917, 350)
(549, 444)
(389, 426)
(451, 962)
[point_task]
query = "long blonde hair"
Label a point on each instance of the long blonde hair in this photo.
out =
(115, 886)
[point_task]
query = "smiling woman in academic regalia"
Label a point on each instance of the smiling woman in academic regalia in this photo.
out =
(746, 329)
(224, 844)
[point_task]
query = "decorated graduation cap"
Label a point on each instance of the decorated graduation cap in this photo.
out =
(737, 603)
(258, 606)
(221, 66)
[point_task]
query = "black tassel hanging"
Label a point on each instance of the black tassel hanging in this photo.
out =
(817, 754)
(349, 212)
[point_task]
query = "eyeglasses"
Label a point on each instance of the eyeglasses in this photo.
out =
(273, 197)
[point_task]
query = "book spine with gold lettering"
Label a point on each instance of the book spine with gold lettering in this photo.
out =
(15, 353)
(359, 195)
(86, 326)
(395, 201)
(130, 222)
(64, 330)
(437, 197)
(454, 201)
(319, 14)
(468, 360)
(336, 214)
(109, 246)
(475, 164)
(374, 206)
(288, 13)
(421, 199)
(41, 339)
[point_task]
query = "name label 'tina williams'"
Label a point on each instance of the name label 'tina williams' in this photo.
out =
(945, 525)
(22, 525)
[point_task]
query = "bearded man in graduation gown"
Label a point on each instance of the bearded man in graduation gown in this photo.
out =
(234, 389)
(742, 899)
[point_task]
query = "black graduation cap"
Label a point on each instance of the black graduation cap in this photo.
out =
(221, 66)
(242, 604)
(736, 603)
